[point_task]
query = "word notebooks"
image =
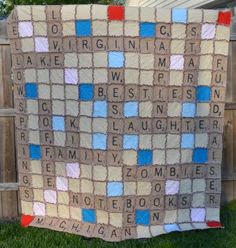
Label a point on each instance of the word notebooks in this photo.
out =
(119, 117)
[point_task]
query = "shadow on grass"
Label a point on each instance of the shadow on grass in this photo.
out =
(12, 236)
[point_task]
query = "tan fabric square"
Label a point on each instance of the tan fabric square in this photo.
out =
(86, 75)
(100, 76)
(132, 60)
(63, 197)
(63, 211)
(51, 210)
(145, 109)
(147, 14)
(114, 173)
(207, 46)
(99, 125)
(172, 156)
(159, 157)
(176, 77)
(177, 46)
(204, 78)
(24, 12)
(129, 157)
(100, 59)
(85, 140)
(174, 109)
(201, 140)
(146, 61)
(38, 195)
(27, 208)
(131, 13)
(186, 156)
(116, 219)
(170, 216)
(40, 28)
(74, 185)
(221, 47)
(159, 140)
(163, 15)
(131, 76)
(195, 15)
(68, 12)
(146, 77)
(129, 188)
(60, 169)
(206, 62)
(36, 166)
(27, 45)
(83, 11)
(57, 76)
(99, 28)
(173, 141)
(86, 171)
(43, 76)
(99, 188)
(57, 92)
(131, 29)
(70, 60)
(99, 173)
(30, 75)
(210, 15)
(222, 32)
(143, 188)
(102, 217)
(37, 181)
(38, 13)
(86, 186)
(178, 31)
(68, 28)
(203, 109)
(99, 12)
(85, 60)
(76, 213)
(145, 141)
(58, 107)
(143, 232)
(85, 124)
(115, 28)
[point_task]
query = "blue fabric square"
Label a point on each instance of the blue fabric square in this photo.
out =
(58, 123)
(187, 140)
(147, 29)
(179, 15)
(100, 109)
(142, 217)
(99, 141)
(130, 141)
(171, 228)
(203, 94)
(116, 59)
(144, 157)
(200, 155)
(88, 215)
(35, 152)
(188, 109)
(86, 92)
(130, 109)
(83, 28)
(114, 188)
(31, 90)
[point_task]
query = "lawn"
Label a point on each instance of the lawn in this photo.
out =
(12, 235)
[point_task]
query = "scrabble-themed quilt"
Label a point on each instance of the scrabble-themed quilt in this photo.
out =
(119, 117)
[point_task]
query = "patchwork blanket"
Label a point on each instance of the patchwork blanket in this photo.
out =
(119, 117)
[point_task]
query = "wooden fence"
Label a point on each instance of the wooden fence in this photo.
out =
(9, 207)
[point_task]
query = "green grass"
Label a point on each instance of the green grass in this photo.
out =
(12, 236)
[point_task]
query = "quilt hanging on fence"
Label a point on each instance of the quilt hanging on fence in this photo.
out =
(120, 114)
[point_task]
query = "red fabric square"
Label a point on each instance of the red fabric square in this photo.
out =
(214, 224)
(224, 18)
(116, 13)
(25, 220)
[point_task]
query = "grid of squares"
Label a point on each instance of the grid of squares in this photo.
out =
(120, 114)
